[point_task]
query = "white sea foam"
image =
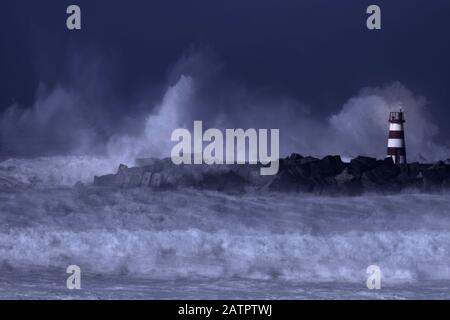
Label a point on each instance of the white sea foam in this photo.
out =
(194, 234)
(192, 253)
(63, 170)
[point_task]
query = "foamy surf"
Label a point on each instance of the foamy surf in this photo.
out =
(300, 246)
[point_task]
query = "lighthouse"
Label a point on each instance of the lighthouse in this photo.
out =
(396, 141)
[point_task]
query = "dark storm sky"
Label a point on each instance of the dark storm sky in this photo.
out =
(317, 51)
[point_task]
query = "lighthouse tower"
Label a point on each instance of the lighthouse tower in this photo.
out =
(396, 142)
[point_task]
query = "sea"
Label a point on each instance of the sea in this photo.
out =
(138, 243)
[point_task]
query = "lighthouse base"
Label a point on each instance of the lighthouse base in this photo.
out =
(398, 159)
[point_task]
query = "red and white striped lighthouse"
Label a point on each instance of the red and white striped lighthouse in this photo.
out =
(396, 142)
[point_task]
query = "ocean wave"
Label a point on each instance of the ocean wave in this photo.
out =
(51, 171)
(189, 233)
(192, 253)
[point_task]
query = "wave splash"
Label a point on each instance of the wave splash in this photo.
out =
(200, 234)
